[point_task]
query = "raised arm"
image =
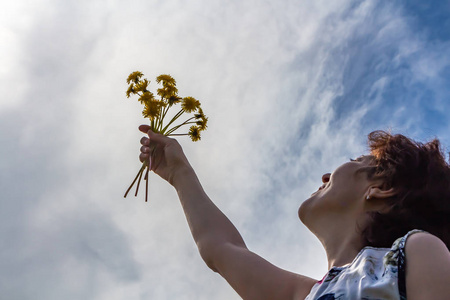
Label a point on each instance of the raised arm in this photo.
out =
(219, 242)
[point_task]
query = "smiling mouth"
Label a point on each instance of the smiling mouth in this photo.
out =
(320, 188)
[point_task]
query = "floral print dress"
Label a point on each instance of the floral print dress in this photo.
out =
(374, 274)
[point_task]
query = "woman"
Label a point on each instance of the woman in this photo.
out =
(361, 209)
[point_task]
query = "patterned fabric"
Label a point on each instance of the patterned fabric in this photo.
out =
(375, 273)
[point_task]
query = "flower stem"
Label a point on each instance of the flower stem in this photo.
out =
(173, 120)
(146, 185)
(137, 176)
(137, 186)
(166, 109)
(178, 126)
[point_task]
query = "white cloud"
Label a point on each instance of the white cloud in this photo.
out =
(269, 76)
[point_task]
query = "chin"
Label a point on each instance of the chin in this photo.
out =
(303, 210)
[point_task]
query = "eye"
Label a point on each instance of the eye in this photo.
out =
(358, 159)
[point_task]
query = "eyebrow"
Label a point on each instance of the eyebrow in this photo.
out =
(364, 157)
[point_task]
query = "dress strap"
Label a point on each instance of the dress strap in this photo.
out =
(402, 263)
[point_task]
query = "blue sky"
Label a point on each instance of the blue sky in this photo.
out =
(292, 89)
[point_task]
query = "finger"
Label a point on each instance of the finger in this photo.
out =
(145, 149)
(145, 140)
(144, 157)
(144, 128)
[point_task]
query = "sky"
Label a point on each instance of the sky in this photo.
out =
(291, 89)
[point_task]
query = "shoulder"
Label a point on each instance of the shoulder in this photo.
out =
(427, 268)
(424, 246)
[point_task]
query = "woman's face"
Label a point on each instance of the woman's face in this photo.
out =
(342, 194)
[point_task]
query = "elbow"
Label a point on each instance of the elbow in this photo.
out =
(216, 254)
(207, 254)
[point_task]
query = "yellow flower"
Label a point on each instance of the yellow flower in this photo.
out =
(202, 123)
(134, 77)
(167, 91)
(166, 80)
(200, 114)
(202, 120)
(190, 104)
(194, 133)
(130, 90)
(173, 100)
(152, 109)
(141, 86)
(146, 97)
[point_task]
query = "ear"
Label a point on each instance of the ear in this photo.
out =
(378, 193)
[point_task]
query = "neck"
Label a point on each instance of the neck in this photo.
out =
(341, 246)
(341, 253)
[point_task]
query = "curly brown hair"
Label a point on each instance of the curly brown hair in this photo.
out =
(420, 177)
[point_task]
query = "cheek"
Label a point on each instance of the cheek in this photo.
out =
(323, 203)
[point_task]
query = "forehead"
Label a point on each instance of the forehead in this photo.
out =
(366, 157)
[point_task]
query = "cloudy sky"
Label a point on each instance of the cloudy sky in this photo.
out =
(291, 88)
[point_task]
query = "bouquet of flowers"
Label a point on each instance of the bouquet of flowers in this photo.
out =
(157, 108)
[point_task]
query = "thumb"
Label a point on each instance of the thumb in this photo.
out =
(144, 128)
(156, 137)
(152, 135)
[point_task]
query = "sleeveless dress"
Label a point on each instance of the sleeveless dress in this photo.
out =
(374, 274)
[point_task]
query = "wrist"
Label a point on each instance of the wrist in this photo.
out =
(183, 175)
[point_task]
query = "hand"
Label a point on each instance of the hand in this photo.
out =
(164, 155)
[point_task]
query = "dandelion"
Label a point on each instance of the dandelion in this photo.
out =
(167, 91)
(202, 120)
(141, 86)
(130, 90)
(134, 77)
(173, 100)
(190, 104)
(202, 123)
(166, 80)
(199, 114)
(146, 97)
(156, 111)
(194, 133)
(152, 109)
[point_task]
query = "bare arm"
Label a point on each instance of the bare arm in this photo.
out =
(427, 268)
(219, 242)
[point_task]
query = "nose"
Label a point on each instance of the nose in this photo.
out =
(326, 177)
